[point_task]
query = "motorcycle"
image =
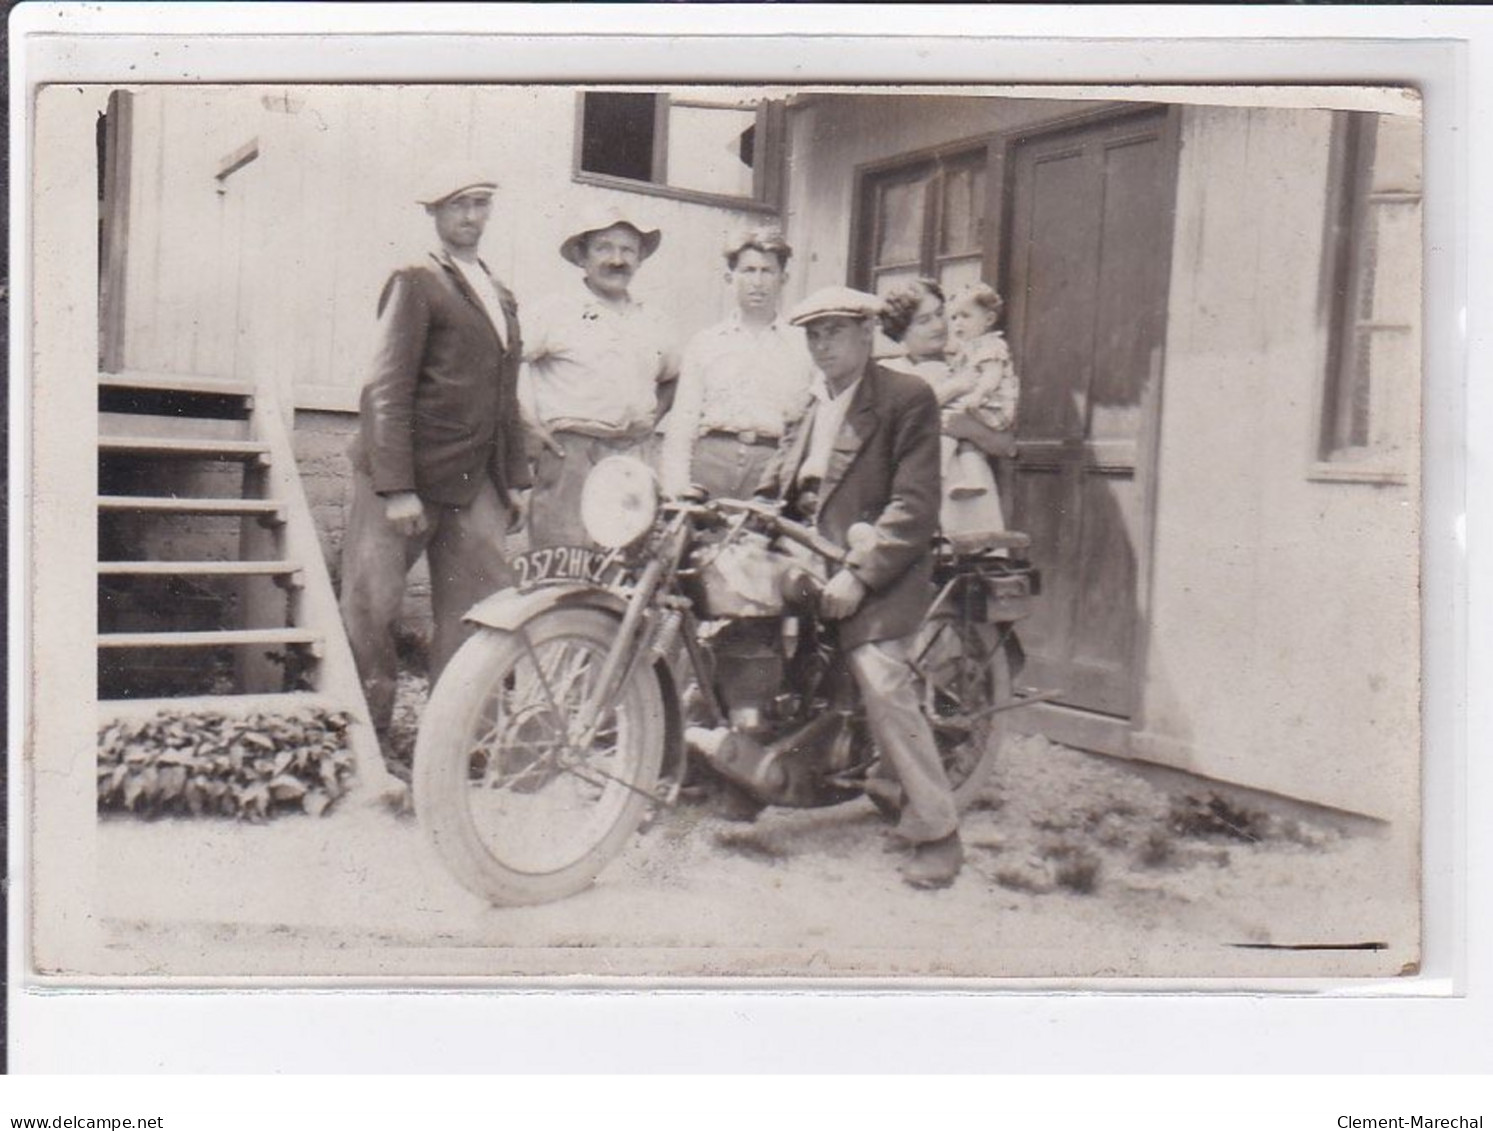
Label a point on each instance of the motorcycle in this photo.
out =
(574, 711)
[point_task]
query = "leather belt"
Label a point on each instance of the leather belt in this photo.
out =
(748, 436)
(610, 433)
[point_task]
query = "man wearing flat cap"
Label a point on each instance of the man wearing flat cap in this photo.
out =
(867, 454)
(594, 360)
(439, 465)
(741, 382)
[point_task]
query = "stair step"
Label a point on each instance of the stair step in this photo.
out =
(176, 383)
(185, 448)
(216, 639)
(111, 710)
(267, 508)
(172, 426)
(198, 569)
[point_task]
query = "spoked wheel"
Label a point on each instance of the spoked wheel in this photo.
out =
(515, 805)
(963, 673)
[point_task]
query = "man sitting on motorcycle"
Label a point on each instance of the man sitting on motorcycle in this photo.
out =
(867, 452)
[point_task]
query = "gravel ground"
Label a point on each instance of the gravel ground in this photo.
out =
(1078, 865)
(1065, 820)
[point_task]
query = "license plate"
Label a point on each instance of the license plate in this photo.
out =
(566, 563)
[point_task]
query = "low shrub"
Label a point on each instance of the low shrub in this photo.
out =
(1212, 816)
(1074, 866)
(205, 763)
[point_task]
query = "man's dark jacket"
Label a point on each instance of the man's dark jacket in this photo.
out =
(440, 409)
(884, 471)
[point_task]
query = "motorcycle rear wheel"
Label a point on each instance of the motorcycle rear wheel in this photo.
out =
(963, 673)
(515, 811)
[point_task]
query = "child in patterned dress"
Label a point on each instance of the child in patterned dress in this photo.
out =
(982, 386)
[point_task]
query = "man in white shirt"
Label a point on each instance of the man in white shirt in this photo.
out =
(593, 362)
(741, 382)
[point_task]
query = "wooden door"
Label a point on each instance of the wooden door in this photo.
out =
(1086, 257)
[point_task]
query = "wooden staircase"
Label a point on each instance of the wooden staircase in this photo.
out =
(213, 590)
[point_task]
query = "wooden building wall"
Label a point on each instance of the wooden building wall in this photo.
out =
(274, 270)
(185, 263)
(271, 272)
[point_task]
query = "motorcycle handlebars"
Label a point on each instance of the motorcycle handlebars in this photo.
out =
(787, 527)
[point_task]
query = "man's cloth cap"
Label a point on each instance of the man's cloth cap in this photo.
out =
(835, 302)
(599, 220)
(452, 179)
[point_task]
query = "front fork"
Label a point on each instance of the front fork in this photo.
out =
(622, 658)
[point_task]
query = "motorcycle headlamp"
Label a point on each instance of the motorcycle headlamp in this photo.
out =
(619, 501)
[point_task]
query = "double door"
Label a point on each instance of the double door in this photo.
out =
(1075, 230)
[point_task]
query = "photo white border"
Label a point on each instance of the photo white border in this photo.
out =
(1439, 1021)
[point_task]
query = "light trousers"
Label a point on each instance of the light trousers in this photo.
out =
(555, 506)
(904, 739)
(727, 468)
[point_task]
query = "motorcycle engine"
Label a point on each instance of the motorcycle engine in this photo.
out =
(748, 669)
(788, 702)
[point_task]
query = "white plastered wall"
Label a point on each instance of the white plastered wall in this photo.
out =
(1284, 643)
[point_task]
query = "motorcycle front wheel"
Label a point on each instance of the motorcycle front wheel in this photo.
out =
(516, 806)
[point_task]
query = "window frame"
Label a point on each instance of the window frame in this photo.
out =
(1349, 212)
(865, 220)
(767, 170)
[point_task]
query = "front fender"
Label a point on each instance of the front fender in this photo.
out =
(508, 609)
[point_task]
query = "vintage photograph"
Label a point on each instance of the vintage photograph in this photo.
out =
(729, 533)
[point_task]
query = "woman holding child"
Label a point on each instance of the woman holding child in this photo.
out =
(977, 392)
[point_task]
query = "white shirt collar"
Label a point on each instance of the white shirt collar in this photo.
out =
(442, 255)
(480, 280)
(737, 322)
(590, 300)
(819, 387)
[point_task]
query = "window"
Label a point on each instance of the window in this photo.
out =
(618, 132)
(925, 218)
(1373, 298)
(716, 151)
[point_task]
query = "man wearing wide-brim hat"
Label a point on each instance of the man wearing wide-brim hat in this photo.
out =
(866, 454)
(439, 464)
(594, 361)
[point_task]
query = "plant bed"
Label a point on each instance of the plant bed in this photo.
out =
(210, 763)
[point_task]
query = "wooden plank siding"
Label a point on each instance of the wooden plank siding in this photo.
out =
(277, 275)
(185, 237)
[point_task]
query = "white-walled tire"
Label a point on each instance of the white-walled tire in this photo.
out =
(517, 816)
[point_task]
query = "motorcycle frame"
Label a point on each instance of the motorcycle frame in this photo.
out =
(641, 610)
